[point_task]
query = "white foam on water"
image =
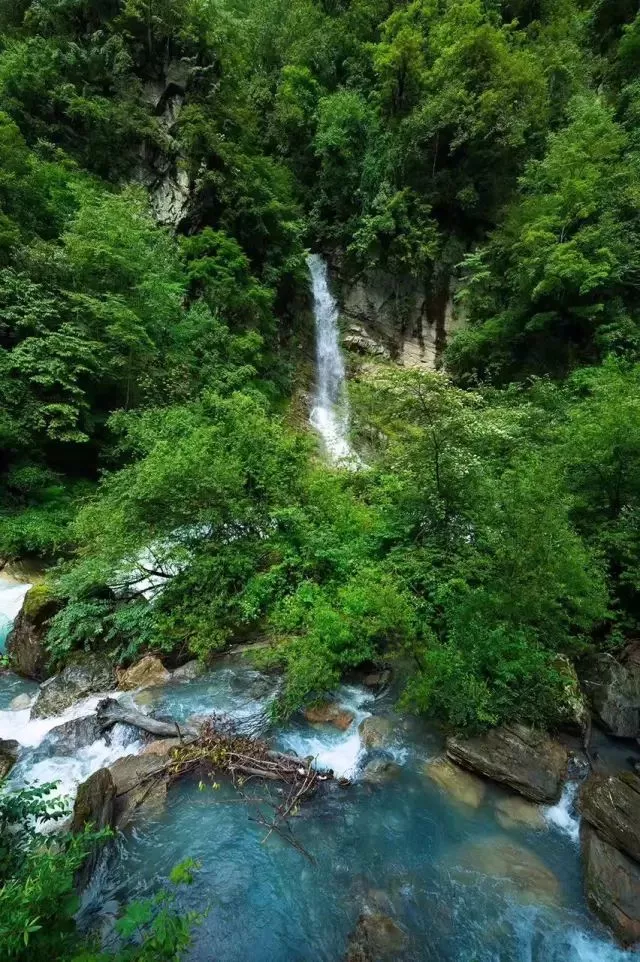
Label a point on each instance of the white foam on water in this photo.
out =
(562, 815)
(29, 732)
(69, 771)
(588, 948)
(331, 748)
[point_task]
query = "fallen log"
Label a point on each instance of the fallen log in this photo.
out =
(110, 712)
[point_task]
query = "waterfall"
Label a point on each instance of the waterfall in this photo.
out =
(330, 411)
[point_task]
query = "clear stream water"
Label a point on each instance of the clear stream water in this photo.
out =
(462, 888)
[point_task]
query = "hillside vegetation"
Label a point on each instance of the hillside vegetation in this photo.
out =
(145, 372)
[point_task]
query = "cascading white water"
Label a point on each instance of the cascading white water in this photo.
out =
(330, 412)
(12, 595)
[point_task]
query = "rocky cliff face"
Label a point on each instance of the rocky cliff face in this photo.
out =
(162, 168)
(396, 318)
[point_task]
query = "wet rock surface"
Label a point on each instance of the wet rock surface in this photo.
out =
(612, 882)
(146, 673)
(86, 675)
(527, 761)
(9, 750)
(329, 713)
(26, 648)
(376, 731)
(460, 785)
(613, 688)
(516, 869)
(139, 783)
(380, 769)
(512, 811)
(611, 805)
(376, 937)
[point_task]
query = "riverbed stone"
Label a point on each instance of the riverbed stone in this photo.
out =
(611, 805)
(140, 784)
(613, 688)
(329, 713)
(518, 868)
(376, 731)
(190, 671)
(26, 650)
(161, 748)
(375, 938)
(612, 883)
(527, 761)
(87, 674)
(21, 702)
(9, 750)
(512, 811)
(95, 802)
(149, 672)
(377, 679)
(462, 786)
(380, 769)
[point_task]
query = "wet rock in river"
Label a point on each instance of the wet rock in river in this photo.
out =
(189, 672)
(527, 761)
(612, 882)
(26, 649)
(377, 679)
(376, 731)
(375, 938)
(88, 674)
(161, 748)
(380, 769)
(459, 784)
(516, 868)
(139, 781)
(512, 811)
(20, 702)
(70, 737)
(613, 688)
(146, 673)
(329, 713)
(95, 802)
(9, 750)
(611, 805)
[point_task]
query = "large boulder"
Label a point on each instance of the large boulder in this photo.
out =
(612, 882)
(519, 871)
(527, 761)
(376, 731)
(612, 806)
(69, 738)
(26, 649)
(9, 750)
(329, 713)
(87, 674)
(139, 781)
(375, 938)
(462, 786)
(95, 802)
(146, 673)
(613, 688)
(380, 770)
(189, 671)
(94, 808)
(512, 811)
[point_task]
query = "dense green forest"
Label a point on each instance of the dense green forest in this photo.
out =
(150, 374)
(147, 373)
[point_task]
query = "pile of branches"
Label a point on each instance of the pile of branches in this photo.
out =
(217, 748)
(220, 750)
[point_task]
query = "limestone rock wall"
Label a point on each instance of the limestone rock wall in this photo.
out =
(396, 318)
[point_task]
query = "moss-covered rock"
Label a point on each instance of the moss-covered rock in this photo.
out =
(26, 648)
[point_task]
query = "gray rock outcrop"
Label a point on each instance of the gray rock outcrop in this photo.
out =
(613, 688)
(527, 761)
(87, 674)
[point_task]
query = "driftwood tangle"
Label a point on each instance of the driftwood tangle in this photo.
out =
(216, 749)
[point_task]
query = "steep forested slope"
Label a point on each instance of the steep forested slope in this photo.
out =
(483, 146)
